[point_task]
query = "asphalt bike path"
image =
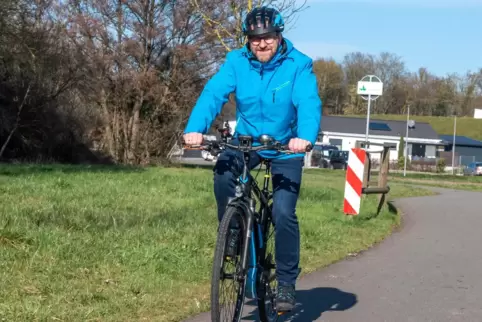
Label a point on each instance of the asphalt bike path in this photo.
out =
(429, 270)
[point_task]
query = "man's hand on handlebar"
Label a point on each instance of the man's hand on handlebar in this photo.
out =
(298, 145)
(193, 138)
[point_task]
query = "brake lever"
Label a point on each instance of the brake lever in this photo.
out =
(215, 149)
(190, 147)
(288, 151)
(196, 147)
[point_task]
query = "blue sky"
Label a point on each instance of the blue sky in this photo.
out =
(445, 35)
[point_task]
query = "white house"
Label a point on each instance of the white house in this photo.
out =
(349, 132)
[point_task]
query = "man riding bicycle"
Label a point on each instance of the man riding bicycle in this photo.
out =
(276, 94)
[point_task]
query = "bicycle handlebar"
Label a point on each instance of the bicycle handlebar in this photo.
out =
(218, 146)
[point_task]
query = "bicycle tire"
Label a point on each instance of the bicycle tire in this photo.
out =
(218, 264)
(266, 292)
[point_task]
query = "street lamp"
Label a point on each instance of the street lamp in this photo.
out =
(406, 144)
(453, 145)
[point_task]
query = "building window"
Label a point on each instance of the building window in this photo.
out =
(360, 144)
(337, 142)
(418, 150)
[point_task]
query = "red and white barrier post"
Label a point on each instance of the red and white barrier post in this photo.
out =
(354, 181)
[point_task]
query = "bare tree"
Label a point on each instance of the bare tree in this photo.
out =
(121, 77)
(331, 84)
(133, 54)
(36, 69)
(223, 19)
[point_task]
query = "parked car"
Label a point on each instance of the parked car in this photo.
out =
(320, 155)
(473, 169)
(338, 160)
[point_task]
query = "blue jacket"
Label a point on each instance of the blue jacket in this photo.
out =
(278, 98)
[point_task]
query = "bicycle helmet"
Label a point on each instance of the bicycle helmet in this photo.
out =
(263, 20)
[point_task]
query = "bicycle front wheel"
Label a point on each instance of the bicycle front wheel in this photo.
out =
(267, 286)
(228, 283)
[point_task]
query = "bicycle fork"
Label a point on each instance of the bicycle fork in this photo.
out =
(249, 256)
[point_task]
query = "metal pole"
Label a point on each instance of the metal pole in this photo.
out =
(406, 145)
(368, 120)
(453, 145)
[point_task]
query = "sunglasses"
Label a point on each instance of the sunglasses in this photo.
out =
(267, 39)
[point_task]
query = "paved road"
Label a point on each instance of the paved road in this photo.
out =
(430, 270)
(195, 162)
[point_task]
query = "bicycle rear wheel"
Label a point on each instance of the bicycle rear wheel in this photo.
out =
(227, 300)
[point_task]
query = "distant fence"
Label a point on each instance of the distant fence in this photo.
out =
(416, 164)
(439, 164)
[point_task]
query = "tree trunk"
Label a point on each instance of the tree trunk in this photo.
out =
(125, 145)
(116, 131)
(108, 128)
(17, 122)
(134, 126)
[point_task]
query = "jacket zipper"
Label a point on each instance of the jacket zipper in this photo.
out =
(261, 101)
(278, 88)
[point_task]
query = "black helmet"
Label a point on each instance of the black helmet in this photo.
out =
(263, 20)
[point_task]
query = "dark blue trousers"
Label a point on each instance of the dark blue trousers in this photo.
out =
(286, 181)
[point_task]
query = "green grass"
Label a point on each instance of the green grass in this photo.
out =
(125, 244)
(448, 185)
(438, 177)
(466, 126)
(470, 183)
(445, 180)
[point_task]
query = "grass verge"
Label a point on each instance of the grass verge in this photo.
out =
(469, 186)
(126, 244)
(470, 183)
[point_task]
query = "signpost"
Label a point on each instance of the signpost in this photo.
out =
(370, 88)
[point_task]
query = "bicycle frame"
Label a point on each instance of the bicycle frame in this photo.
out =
(256, 223)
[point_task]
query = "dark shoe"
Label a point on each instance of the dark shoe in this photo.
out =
(286, 298)
(232, 243)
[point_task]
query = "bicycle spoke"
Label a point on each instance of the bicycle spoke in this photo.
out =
(227, 290)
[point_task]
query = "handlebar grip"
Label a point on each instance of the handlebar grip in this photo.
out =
(194, 146)
(286, 147)
(190, 147)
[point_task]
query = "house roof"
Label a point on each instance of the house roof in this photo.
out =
(461, 140)
(357, 125)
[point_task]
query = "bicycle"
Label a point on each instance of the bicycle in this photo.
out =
(255, 270)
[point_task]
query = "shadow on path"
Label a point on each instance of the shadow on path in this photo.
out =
(312, 303)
